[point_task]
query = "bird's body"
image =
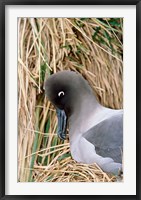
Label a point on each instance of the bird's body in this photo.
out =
(95, 132)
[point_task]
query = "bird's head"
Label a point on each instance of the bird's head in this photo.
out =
(64, 88)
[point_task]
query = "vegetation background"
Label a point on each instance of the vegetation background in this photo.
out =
(91, 46)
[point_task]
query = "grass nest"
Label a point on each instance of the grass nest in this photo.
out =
(91, 46)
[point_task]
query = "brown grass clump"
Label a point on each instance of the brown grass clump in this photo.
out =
(91, 46)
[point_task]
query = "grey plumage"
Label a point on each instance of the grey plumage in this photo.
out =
(107, 138)
(95, 132)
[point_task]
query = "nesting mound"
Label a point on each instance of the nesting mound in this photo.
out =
(91, 46)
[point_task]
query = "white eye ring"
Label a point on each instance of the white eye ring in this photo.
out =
(61, 93)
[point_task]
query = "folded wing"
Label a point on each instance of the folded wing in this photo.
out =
(107, 137)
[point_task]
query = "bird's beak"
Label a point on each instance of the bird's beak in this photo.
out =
(62, 123)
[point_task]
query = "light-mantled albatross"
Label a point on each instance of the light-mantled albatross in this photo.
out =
(95, 132)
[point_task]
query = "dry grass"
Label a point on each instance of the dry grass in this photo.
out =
(90, 46)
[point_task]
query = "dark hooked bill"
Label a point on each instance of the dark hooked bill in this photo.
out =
(62, 123)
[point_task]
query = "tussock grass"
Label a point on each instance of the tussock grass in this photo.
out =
(91, 46)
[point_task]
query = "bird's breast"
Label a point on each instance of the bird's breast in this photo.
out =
(82, 151)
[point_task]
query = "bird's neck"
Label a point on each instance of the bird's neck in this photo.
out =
(82, 115)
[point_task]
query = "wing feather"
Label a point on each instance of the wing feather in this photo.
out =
(107, 137)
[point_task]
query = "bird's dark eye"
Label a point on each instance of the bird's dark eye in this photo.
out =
(61, 93)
